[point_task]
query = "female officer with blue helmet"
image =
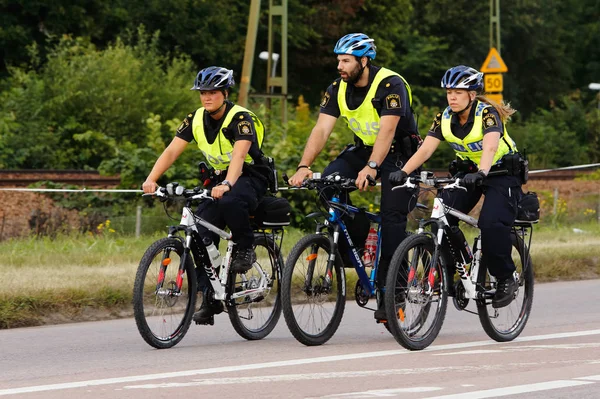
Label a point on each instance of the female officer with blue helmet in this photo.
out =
(475, 129)
(229, 137)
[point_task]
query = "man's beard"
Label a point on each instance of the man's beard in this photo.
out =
(354, 75)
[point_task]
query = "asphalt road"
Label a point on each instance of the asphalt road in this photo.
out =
(557, 356)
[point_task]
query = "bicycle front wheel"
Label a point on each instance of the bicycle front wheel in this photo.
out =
(162, 313)
(255, 315)
(313, 302)
(416, 293)
(505, 324)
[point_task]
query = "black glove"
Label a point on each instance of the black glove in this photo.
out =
(473, 179)
(398, 178)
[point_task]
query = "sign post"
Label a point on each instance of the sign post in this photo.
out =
(493, 81)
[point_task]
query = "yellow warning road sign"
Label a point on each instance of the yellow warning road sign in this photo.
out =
(493, 62)
(496, 97)
(493, 82)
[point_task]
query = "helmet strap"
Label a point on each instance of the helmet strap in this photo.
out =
(468, 105)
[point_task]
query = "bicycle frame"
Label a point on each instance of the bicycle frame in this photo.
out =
(438, 217)
(189, 225)
(334, 219)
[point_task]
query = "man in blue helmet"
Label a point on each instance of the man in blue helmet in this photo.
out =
(376, 104)
(475, 128)
(229, 137)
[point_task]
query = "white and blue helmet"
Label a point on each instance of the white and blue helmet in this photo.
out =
(214, 78)
(356, 44)
(462, 77)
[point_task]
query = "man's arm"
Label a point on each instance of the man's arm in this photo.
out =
(315, 144)
(164, 162)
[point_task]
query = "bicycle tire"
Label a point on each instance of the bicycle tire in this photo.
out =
(163, 319)
(507, 323)
(416, 309)
(301, 298)
(250, 318)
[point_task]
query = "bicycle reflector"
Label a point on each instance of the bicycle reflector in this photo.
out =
(311, 257)
(166, 261)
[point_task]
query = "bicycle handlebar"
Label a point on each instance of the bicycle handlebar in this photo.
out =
(334, 179)
(448, 183)
(174, 190)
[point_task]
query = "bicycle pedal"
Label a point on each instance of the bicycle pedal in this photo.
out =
(381, 321)
(206, 322)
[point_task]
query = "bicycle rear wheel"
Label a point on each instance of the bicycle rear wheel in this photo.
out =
(416, 293)
(505, 324)
(313, 303)
(254, 316)
(163, 315)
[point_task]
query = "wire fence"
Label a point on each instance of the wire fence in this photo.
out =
(30, 211)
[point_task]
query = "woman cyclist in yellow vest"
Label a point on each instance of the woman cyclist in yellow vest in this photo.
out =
(375, 102)
(229, 137)
(475, 129)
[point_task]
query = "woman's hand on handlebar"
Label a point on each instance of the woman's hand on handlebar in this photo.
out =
(398, 178)
(149, 186)
(218, 191)
(298, 177)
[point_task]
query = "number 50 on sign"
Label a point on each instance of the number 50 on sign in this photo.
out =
(493, 82)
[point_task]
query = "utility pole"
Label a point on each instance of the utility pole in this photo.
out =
(495, 25)
(279, 11)
(253, 19)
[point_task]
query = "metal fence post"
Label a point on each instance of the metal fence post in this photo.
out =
(138, 221)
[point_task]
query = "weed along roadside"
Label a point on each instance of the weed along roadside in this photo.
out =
(82, 278)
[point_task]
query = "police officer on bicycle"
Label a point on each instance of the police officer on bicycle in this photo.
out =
(229, 136)
(475, 128)
(376, 104)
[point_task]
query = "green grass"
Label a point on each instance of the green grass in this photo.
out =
(86, 277)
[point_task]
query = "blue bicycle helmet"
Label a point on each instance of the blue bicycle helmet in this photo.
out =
(462, 77)
(214, 78)
(356, 44)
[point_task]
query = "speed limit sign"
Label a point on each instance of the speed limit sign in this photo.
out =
(493, 82)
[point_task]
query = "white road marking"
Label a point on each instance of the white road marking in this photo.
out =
(590, 378)
(283, 363)
(515, 390)
(313, 376)
(380, 393)
(522, 349)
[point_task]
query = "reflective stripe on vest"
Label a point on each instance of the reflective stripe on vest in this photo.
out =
(364, 120)
(220, 152)
(471, 147)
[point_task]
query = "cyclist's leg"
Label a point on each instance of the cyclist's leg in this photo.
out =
(463, 201)
(497, 216)
(235, 207)
(348, 164)
(208, 211)
(395, 207)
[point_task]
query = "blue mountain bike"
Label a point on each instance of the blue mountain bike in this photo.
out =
(313, 285)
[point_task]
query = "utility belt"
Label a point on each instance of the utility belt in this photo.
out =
(264, 170)
(513, 164)
(406, 145)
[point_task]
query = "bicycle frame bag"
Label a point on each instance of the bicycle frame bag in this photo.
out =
(528, 208)
(271, 212)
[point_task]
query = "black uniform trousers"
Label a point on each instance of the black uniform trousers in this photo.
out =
(232, 210)
(395, 205)
(496, 219)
